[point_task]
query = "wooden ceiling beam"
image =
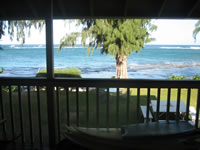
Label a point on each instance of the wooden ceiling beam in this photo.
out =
(61, 7)
(162, 8)
(3, 14)
(32, 8)
(193, 9)
(91, 7)
(126, 7)
(35, 9)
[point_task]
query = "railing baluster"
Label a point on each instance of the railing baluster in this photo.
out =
(2, 111)
(197, 110)
(107, 108)
(117, 108)
(148, 103)
(158, 105)
(51, 114)
(20, 114)
(77, 106)
(39, 115)
(30, 115)
(127, 105)
(11, 112)
(188, 104)
(87, 107)
(178, 105)
(97, 107)
(58, 111)
(168, 103)
(138, 105)
(67, 106)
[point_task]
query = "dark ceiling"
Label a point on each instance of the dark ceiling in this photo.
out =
(64, 9)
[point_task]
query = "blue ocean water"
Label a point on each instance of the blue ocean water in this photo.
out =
(152, 62)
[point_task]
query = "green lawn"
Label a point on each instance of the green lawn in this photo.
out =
(82, 109)
(69, 73)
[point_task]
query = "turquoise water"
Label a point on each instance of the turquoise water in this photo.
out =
(153, 62)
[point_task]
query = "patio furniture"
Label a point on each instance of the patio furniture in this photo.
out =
(156, 135)
(144, 113)
(192, 112)
(172, 108)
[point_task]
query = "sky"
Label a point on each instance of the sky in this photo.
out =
(169, 32)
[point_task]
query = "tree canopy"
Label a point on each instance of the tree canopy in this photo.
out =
(19, 28)
(113, 36)
(197, 29)
(116, 37)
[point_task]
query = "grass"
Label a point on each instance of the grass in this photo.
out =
(70, 73)
(82, 109)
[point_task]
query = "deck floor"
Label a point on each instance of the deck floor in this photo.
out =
(12, 146)
(163, 128)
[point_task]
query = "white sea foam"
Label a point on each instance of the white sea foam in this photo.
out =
(24, 47)
(172, 47)
(12, 46)
(35, 47)
(179, 47)
(167, 65)
(195, 48)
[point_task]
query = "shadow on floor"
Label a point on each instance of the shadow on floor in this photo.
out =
(68, 145)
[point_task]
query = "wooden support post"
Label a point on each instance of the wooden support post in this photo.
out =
(49, 44)
(50, 75)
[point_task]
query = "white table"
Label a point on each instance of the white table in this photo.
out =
(144, 113)
(172, 108)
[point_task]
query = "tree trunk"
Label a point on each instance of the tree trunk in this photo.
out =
(121, 67)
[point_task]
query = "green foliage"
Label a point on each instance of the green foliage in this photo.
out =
(196, 30)
(19, 28)
(70, 73)
(13, 89)
(174, 77)
(196, 77)
(114, 36)
(2, 69)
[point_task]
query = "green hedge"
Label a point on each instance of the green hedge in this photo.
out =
(69, 73)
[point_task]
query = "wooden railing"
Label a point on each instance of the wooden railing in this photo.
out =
(85, 102)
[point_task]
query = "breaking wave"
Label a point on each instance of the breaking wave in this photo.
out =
(178, 47)
(169, 65)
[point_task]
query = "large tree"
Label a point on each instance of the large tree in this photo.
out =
(116, 37)
(197, 29)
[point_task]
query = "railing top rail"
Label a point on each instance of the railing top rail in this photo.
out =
(104, 83)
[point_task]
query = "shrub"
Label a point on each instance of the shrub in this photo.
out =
(69, 73)
(196, 77)
(174, 77)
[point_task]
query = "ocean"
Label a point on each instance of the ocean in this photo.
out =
(152, 62)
